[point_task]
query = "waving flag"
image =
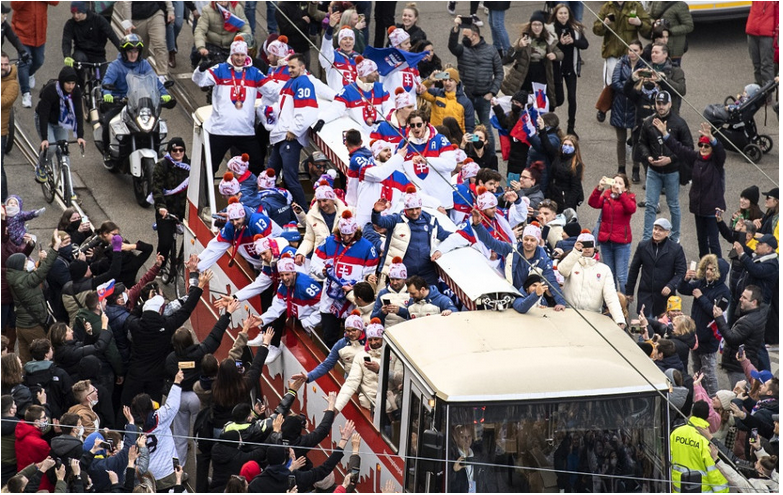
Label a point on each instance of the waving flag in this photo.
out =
(525, 127)
(541, 102)
(390, 59)
(231, 23)
(465, 230)
(105, 290)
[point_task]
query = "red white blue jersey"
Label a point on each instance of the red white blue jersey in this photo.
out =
(240, 239)
(299, 301)
(340, 67)
(296, 111)
(361, 158)
(464, 197)
(432, 176)
(407, 79)
(233, 98)
(350, 263)
(375, 103)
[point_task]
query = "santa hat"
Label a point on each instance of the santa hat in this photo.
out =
(397, 36)
(347, 224)
(374, 329)
(378, 145)
(485, 199)
(267, 179)
(286, 264)
(469, 169)
(586, 236)
(235, 209)
(239, 164)
(397, 269)
(279, 47)
(324, 191)
(365, 66)
(402, 99)
(345, 32)
(229, 186)
(355, 320)
(533, 229)
(239, 46)
(411, 198)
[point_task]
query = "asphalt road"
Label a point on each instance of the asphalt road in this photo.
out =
(716, 65)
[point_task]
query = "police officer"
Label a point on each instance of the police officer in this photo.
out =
(691, 452)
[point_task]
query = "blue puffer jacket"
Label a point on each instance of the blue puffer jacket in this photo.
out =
(119, 69)
(702, 307)
(623, 109)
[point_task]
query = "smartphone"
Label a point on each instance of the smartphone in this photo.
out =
(442, 75)
(466, 20)
(609, 182)
(741, 350)
(354, 475)
(291, 482)
(361, 17)
(588, 244)
(386, 300)
(693, 266)
(474, 138)
(239, 363)
(611, 17)
(85, 219)
(754, 435)
(106, 445)
(367, 359)
(645, 73)
(175, 463)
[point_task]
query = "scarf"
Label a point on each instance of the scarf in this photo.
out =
(182, 185)
(67, 114)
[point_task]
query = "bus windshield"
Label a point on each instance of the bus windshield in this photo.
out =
(602, 445)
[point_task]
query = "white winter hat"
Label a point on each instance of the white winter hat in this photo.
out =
(355, 320)
(267, 179)
(374, 329)
(324, 191)
(229, 186)
(286, 264)
(397, 269)
(402, 99)
(347, 223)
(365, 66)
(485, 199)
(397, 36)
(239, 164)
(411, 198)
(235, 209)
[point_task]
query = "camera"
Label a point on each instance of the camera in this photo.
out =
(588, 244)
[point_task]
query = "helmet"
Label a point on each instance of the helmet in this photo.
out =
(128, 42)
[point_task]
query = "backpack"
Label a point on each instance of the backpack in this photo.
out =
(203, 428)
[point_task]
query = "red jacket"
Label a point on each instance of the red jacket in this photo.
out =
(31, 448)
(615, 215)
(29, 21)
(762, 21)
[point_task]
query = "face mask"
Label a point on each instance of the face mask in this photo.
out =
(43, 425)
(567, 149)
(93, 403)
(466, 41)
(80, 432)
(478, 145)
(12, 210)
(29, 266)
(649, 86)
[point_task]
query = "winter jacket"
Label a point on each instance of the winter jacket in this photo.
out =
(565, 184)
(671, 362)
(762, 21)
(415, 32)
(28, 296)
(228, 459)
(650, 145)
(480, 69)
(151, 333)
(29, 21)
(589, 284)
(68, 355)
(57, 277)
(749, 330)
(54, 381)
(209, 28)
(274, 479)
(10, 92)
(316, 230)
(680, 24)
(522, 57)
(68, 447)
(30, 445)
(195, 353)
(434, 304)
(295, 11)
(302, 444)
(167, 176)
(117, 72)
(762, 271)
(117, 462)
(8, 448)
(760, 416)
(463, 100)
(656, 266)
(396, 298)
(111, 360)
(702, 306)
(572, 59)
(89, 37)
(74, 292)
(623, 109)
(8, 32)
(612, 46)
(615, 215)
(444, 105)
(690, 450)
(23, 398)
(361, 380)
(518, 157)
(708, 176)
(7, 248)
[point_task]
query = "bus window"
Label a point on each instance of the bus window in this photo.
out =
(421, 419)
(606, 445)
(413, 442)
(392, 394)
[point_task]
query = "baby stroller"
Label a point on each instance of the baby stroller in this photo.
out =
(738, 125)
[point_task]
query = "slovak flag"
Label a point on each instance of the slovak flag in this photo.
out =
(390, 59)
(465, 230)
(525, 127)
(231, 23)
(105, 290)
(540, 101)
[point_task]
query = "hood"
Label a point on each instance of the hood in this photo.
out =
(16, 262)
(724, 268)
(24, 430)
(363, 151)
(36, 366)
(66, 446)
(678, 396)
(279, 472)
(90, 441)
(67, 74)
(17, 198)
(90, 368)
(11, 75)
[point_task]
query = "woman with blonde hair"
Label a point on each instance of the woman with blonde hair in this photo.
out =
(410, 19)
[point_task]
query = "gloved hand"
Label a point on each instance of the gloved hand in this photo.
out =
(116, 243)
(40, 212)
(108, 98)
(165, 98)
(203, 66)
(319, 125)
(25, 57)
(68, 61)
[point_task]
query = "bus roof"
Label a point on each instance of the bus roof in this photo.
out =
(483, 356)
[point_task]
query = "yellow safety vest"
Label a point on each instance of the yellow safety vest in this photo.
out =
(691, 452)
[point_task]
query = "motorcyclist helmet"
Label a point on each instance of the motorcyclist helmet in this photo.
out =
(129, 42)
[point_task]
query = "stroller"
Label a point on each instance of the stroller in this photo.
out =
(738, 126)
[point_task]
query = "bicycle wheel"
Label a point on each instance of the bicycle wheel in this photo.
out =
(49, 186)
(65, 172)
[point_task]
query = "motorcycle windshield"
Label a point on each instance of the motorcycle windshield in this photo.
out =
(143, 92)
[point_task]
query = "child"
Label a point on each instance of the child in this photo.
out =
(16, 218)
(750, 91)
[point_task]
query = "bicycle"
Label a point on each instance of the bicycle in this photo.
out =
(176, 265)
(58, 174)
(91, 92)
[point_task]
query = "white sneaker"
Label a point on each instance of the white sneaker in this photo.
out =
(476, 21)
(31, 81)
(274, 353)
(27, 100)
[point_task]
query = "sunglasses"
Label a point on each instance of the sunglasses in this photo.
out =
(177, 150)
(704, 145)
(417, 125)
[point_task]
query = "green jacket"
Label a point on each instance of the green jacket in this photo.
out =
(112, 353)
(611, 46)
(168, 176)
(680, 23)
(26, 289)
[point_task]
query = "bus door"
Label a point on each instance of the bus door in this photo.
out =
(421, 469)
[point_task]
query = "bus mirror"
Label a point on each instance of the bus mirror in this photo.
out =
(432, 450)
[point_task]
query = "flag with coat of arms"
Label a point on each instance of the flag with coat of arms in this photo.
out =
(105, 290)
(231, 22)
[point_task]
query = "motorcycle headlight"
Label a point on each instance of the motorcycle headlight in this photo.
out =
(145, 120)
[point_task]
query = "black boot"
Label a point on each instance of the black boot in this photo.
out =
(600, 116)
(635, 178)
(621, 170)
(572, 132)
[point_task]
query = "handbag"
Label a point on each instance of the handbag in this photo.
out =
(50, 319)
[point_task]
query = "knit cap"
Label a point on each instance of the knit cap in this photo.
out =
(365, 66)
(235, 209)
(397, 36)
(411, 198)
(485, 199)
(397, 269)
(229, 186)
(239, 164)
(267, 179)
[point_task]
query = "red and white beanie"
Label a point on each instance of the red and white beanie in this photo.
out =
(238, 46)
(397, 36)
(279, 47)
(485, 199)
(239, 164)
(267, 179)
(374, 329)
(411, 198)
(402, 99)
(235, 209)
(324, 191)
(398, 269)
(378, 145)
(260, 243)
(355, 320)
(345, 32)
(469, 169)
(460, 154)
(586, 236)
(533, 229)
(347, 224)
(229, 186)
(365, 66)
(286, 264)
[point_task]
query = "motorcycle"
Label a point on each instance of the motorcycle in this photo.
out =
(136, 133)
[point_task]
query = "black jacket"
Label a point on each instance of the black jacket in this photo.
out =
(415, 32)
(480, 69)
(68, 355)
(195, 353)
(651, 142)
(166, 175)
(151, 334)
(295, 11)
(274, 479)
(656, 266)
(89, 37)
(708, 176)
(48, 108)
(565, 184)
(702, 307)
(52, 379)
(302, 443)
(228, 459)
(57, 277)
(749, 330)
(518, 150)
